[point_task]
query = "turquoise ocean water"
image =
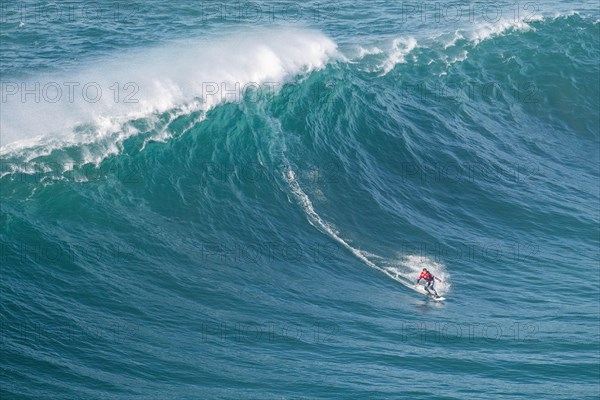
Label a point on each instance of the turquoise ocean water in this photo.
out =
(217, 200)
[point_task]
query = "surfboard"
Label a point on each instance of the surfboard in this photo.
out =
(418, 288)
(421, 290)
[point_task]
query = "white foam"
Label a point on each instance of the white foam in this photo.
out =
(566, 14)
(171, 76)
(364, 51)
(414, 264)
(452, 41)
(485, 31)
(401, 47)
(475, 36)
(460, 57)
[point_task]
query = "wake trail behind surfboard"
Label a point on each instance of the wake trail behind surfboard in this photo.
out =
(411, 265)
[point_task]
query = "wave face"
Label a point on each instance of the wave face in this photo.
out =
(244, 209)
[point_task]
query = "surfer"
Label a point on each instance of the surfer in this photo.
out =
(430, 281)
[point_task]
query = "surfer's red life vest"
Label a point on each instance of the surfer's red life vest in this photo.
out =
(427, 276)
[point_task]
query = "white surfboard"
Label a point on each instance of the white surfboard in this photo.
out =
(422, 290)
(418, 288)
